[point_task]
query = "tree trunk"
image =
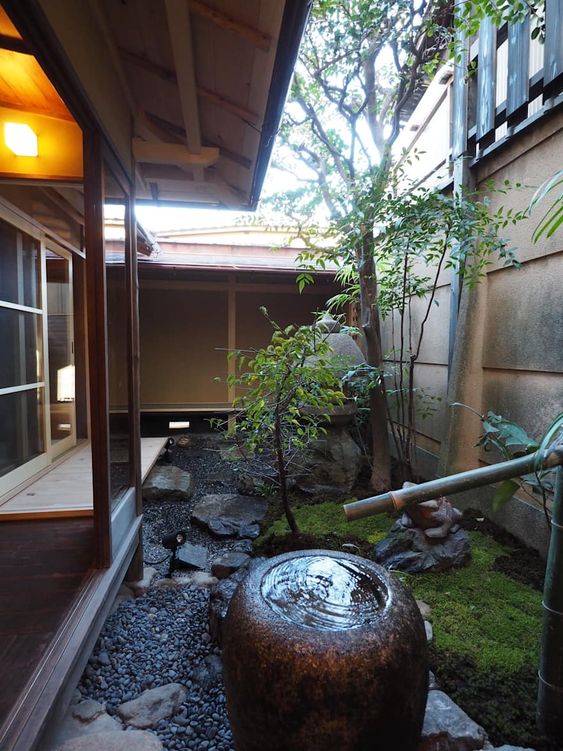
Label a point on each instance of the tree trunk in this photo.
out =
(380, 479)
(283, 477)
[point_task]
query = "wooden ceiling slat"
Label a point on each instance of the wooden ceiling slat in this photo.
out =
(258, 38)
(223, 102)
(25, 87)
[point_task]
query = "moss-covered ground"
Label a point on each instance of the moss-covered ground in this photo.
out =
(486, 624)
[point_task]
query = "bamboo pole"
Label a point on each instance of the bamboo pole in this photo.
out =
(396, 500)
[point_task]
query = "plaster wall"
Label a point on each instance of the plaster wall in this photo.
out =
(185, 337)
(509, 345)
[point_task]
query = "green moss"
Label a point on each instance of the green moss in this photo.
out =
(328, 518)
(481, 614)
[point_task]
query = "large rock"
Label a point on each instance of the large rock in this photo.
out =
(447, 727)
(410, 550)
(329, 466)
(121, 740)
(230, 515)
(227, 563)
(153, 705)
(168, 483)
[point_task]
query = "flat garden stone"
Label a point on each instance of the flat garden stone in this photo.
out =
(228, 563)
(121, 740)
(230, 514)
(84, 718)
(193, 556)
(448, 728)
(168, 483)
(153, 705)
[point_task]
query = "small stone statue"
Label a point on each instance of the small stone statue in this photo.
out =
(437, 518)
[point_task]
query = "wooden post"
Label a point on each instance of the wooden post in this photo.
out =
(97, 343)
(231, 344)
(135, 571)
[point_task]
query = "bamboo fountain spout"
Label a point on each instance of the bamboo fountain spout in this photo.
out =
(550, 692)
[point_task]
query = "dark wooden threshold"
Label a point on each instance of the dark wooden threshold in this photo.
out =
(42, 703)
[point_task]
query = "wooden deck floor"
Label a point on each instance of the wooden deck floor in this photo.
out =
(66, 488)
(43, 564)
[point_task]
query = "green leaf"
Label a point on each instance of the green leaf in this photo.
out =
(504, 493)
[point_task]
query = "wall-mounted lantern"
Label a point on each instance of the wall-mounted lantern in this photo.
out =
(21, 139)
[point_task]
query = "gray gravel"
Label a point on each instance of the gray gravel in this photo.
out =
(162, 636)
(159, 638)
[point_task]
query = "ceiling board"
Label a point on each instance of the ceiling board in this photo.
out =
(234, 47)
(24, 86)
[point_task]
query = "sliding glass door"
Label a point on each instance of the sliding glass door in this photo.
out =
(22, 386)
(37, 415)
(60, 347)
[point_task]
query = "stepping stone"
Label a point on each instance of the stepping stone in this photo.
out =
(122, 740)
(153, 705)
(168, 483)
(193, 556)
(141, 586)
(84, 718)
(197, 580)
(446, 726)
(228, 563)
(230, 515)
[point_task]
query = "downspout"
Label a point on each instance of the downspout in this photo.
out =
(462, 178)
(550, 692)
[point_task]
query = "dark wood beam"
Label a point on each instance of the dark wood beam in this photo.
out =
(14, 44)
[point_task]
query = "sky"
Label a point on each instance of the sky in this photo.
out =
(159, 218)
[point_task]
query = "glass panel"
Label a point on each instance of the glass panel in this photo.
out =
(21, 433)
(61, 361)
(19, 267)
(20, 345)
(116, 258)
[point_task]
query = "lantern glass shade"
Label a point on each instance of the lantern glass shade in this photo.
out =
(20, 139)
